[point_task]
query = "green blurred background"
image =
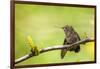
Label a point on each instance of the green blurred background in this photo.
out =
(41, 23)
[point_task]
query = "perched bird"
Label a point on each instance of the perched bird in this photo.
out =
(71, 36)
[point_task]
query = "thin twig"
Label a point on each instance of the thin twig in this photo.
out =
(83, 41)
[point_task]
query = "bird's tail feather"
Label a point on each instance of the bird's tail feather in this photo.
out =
(77, 49)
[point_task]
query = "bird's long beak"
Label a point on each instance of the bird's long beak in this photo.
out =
(59, 27)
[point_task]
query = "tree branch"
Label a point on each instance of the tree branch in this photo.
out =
(83, 41)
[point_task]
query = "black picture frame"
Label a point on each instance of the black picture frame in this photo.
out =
(12, 33)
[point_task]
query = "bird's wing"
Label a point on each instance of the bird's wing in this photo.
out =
(77, 49)
(78, 35)
(63, 51)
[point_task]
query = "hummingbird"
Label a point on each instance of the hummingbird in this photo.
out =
(71, 36)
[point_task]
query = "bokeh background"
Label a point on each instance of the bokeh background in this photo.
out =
(41, 22)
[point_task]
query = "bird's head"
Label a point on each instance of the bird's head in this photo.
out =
(67, 28)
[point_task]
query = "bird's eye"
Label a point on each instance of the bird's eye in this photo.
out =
(64, 29)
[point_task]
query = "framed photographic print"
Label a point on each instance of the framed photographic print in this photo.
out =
(51, 34)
